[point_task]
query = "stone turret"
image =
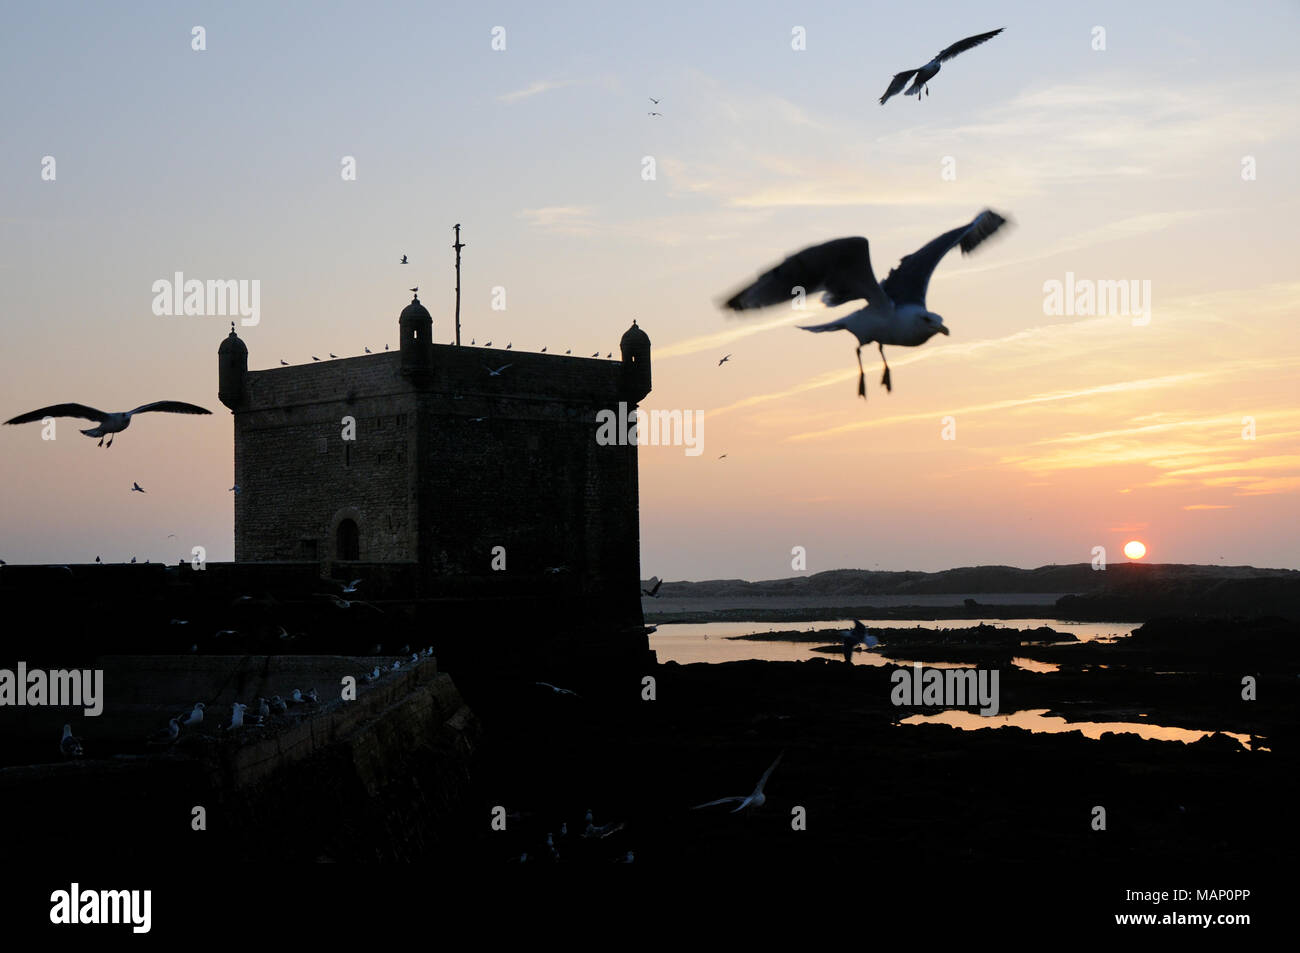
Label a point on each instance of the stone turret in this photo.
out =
(415, 332)
(232, 364)
(635, 347)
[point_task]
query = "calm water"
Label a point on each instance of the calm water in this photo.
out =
(709, 642)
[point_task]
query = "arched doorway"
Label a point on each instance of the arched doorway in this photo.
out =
(348, 541)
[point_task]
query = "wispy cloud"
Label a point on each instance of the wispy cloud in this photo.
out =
(564, 219)
(535, 89)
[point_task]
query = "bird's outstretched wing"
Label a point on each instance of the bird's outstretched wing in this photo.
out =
(841, 268)
(60, 410)
(767, 774)
(908, 282)
(961, 46)
(171, 407)
(897, 83)
(721, 800)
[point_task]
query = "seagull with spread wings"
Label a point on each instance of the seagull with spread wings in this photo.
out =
(757, 798)
(841, 269)
(927, 72)
(109, 423)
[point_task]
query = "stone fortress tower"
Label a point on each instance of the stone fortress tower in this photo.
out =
(422, 463)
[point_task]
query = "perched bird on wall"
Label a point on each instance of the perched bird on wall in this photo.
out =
(489, 344)
(109, 423)
(367, 350)
(569, 351)
(597, 354)
(283, 362)
(315, 358)
(195, 716)
(335, 356)
(69, 744)
(277, 705)
(543, 350)
(841, 269)
(168, 735)
(927, 72)
(509, 346)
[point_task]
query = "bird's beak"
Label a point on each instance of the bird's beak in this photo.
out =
(943, 329)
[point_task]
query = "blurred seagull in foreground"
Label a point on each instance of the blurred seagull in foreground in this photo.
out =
(109, 423)
(927, 72)
(756, 799)
(841, 270)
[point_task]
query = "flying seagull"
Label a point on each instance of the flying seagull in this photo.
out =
(928, 71)
(841, 270)
(136, 487)
(403, 261)
(757, 798)
(556, 689)
(497, 372)
(655, 114)
(109, 423)
(858, 635)
(653, 592)
(653, 100)
(415, 289)
(724, 360)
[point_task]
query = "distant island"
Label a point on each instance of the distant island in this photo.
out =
(1121, 592)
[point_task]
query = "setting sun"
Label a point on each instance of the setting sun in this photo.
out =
(1134, 549)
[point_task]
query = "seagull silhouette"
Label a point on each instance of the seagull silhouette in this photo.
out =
(136, 487)
(415, 289)
(927, 72)
(841, 269)
(654, 114)
(654, 592)
(724, 360)
(653, 100)
(367, 350)
(315, 358)
(755, 799)
(109, 423)
(403, 261)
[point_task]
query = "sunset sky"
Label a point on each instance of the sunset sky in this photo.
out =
(1071, 431)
